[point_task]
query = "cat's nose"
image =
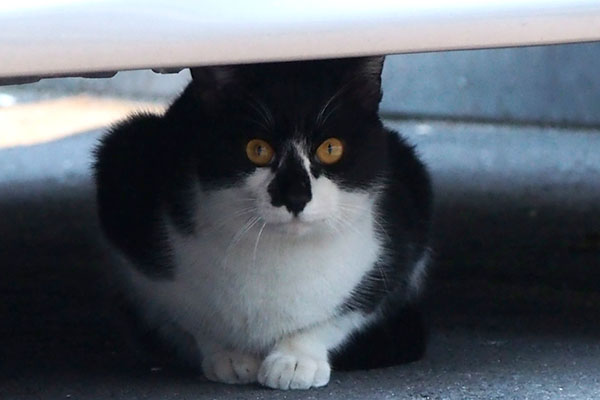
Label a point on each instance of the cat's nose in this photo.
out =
(295, 202)
(291, 187)
(293, 195)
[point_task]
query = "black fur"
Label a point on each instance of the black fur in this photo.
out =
(146, 166)
(405, 210)
(399, 338)
(132, 186)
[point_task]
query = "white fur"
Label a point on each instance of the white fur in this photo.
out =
(300, 361)
(230, 366)
(253, 283)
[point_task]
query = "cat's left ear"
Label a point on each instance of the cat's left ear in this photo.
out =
(365, 79)
(371, 68)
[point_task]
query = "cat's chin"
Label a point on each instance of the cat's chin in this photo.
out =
(296, 226)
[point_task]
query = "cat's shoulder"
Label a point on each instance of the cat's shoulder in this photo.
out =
(129, 171)
(406, 165)
(410, 194)
(127, 139)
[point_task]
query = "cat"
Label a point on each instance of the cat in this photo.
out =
(272, 219)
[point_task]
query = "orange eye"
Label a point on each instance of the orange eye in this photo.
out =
(259, 152)
(330, 151)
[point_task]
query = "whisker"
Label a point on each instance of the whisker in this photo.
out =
(258, 123)
(345, 224)
(351, 207)
(263, 111)
(223, 221)
(325, 117)
(238, 236)
(322, 117)
(256, 244)
(383, 276)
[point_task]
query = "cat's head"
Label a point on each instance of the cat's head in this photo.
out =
(300, 144)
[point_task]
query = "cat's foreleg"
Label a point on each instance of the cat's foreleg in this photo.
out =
(228, 366)
(300, 360)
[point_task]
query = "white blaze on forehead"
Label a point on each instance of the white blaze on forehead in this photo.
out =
(301, 151)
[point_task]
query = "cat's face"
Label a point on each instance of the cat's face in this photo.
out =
(296, 146)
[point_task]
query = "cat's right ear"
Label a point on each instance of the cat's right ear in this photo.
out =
(213, 77)
(213, 83)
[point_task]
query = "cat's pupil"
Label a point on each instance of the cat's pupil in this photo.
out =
(329, 148)
(259, 150)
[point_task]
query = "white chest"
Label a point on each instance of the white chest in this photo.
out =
(250, 290)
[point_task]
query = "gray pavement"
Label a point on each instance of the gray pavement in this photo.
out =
(513, 301)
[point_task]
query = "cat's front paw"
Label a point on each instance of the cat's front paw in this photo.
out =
(230, 367)
(283, 370)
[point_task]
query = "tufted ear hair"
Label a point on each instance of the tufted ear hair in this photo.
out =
(213, 77)
(371, 67)
(364, 78)
(214, 84)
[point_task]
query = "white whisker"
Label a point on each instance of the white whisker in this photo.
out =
(223, 221)
(353, 208)
(323, 114)
(238, 236)
(256, 244)
(263, 111)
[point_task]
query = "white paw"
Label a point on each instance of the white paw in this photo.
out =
(230, 367)
(292, 371)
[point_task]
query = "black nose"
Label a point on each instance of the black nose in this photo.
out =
(291, 186)
(295, 201)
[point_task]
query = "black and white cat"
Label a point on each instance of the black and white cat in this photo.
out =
(272, 217)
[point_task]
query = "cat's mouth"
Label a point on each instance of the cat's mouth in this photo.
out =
(295, 226)
(298, 225)
(279, 219)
